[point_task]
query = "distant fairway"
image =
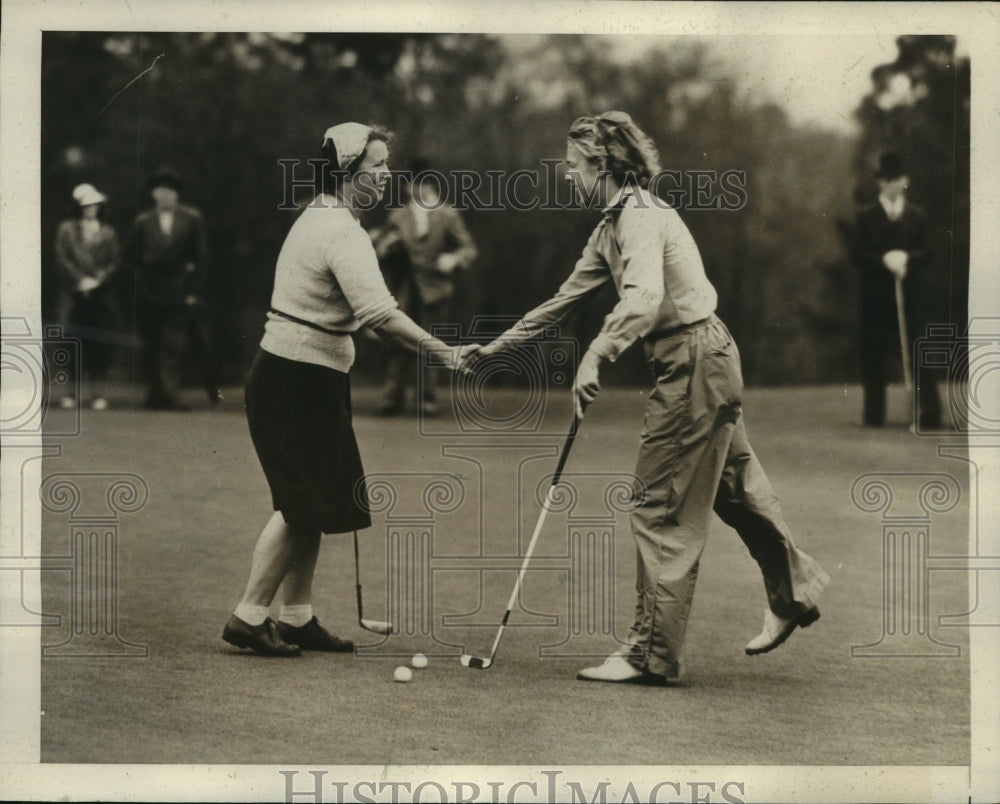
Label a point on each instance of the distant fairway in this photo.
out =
(184, 557)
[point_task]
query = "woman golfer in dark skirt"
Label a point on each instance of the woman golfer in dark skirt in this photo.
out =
(298, 400)
(693, 450)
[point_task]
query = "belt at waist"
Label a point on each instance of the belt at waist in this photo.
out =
(666, 333)
(310, 324)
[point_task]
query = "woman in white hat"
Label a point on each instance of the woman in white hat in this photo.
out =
(327, 285)
(87, 253)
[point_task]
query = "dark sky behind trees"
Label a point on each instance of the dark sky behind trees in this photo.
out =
(224, 108)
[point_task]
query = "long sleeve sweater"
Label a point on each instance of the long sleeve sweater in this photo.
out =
(327, 275)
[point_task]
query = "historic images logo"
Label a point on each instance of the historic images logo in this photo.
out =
(909, 503)
(36, 370)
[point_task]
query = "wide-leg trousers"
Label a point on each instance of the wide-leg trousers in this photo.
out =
(694, 457)
(165, 328)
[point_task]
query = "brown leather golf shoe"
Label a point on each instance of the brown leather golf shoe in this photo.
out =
(313, 636)
(263, 639)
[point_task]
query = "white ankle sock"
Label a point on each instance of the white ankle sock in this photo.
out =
(250, 614)
(296, 616)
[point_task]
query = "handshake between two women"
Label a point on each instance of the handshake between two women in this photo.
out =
(467, 358)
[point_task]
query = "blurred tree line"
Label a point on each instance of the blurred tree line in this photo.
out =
(224, 108)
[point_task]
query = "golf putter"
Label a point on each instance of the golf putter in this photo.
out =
(375, 626)
(482, 663)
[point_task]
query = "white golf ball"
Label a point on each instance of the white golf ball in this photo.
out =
(419, 661)
(402, 674)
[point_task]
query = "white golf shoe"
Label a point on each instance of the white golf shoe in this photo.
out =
(777, 629)
(617, 670)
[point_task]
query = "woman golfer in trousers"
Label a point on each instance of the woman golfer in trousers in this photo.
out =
(327, 284)
(693, 450)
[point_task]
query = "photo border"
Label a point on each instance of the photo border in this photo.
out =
(977, 25)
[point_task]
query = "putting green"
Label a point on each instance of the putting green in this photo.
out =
(183, 558)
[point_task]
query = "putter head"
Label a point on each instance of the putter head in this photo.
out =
(376, 626)
(475, 661)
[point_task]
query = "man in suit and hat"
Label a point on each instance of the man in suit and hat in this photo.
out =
(891, 245)
(168, 244)
(421, 247)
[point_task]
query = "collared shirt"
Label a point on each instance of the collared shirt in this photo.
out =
(166, 218)
(421, 219)
(427, 233)
(643, 246)
(893, 207)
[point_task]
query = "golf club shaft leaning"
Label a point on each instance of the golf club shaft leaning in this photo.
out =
(531, 544)
(376, 626)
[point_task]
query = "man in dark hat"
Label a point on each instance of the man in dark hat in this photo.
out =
(169, 248)
(892, 246)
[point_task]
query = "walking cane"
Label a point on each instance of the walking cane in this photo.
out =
(904, 341)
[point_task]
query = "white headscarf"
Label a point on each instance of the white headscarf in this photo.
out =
(349, 139)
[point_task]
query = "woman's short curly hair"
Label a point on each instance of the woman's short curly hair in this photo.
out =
(615, 143)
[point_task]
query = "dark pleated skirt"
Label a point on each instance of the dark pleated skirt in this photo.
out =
(300, 423)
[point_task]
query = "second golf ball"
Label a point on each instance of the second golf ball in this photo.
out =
(402, 674)
(419, 661)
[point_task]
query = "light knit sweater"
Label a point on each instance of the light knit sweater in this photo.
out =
(327, 274)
